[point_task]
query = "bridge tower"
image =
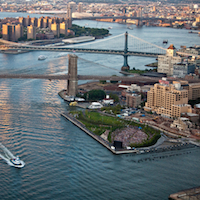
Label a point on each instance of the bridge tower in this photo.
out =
(72, 82)
(125, 67)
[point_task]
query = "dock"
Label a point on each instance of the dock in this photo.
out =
(109, 146)
(193, 194)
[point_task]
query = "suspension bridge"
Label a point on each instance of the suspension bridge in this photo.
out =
(135, 47)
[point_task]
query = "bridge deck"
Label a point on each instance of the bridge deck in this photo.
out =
(79, 50)
(88, 77)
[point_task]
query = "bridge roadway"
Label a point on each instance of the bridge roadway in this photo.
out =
(128, 17)
(79, 50)
(79, 77)
(137, 78)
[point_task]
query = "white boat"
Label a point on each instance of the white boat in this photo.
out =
(42, 57)
(129, 27)
(16, 162)
(109, 27)
(79, 99)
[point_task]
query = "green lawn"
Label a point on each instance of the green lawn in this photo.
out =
(99, 123)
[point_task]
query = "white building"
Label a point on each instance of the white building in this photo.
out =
(166, 62)
(108, 100)
(95, 105)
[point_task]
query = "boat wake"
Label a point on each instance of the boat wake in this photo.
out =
(6, 155)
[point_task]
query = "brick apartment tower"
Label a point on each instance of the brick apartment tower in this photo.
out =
(72, 83)
(31, 32)
(8, 32)
(19, 31)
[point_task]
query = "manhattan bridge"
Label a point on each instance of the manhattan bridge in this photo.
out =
(123, 44)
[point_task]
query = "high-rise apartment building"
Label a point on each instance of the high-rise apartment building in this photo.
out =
(31, 32)
(19, 31)
(63, 28)
(50, 21)
(169, 100)
(80, 7)
(8, 32)
(69, 12)
(45, 22)
(40, 22)
(72, 5)
(68, 22)
(34, 21)
(194, 91)
(27, 21)
(166, 62)
(55, 29)
(22, 21)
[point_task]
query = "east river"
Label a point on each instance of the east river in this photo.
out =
(62, 162)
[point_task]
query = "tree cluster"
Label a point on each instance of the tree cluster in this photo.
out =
(94, 95)
(85, 31)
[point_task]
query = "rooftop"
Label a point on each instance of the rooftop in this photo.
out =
(171, 47)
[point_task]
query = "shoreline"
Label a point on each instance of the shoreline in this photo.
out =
(142, 150)
(166, 142)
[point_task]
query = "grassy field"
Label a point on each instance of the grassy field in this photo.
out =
(99, 123)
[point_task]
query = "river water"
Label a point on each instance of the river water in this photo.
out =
(62, 162)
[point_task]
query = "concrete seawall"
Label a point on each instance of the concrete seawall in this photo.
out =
(150, 149)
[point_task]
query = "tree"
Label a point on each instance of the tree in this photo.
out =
(115, 97)
(114, 81)
(102, 81)
(94, 95)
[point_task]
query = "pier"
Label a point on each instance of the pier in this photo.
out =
(151, 149)
(97, 138)
(193, 194)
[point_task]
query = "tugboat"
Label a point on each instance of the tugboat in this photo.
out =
(16, 162)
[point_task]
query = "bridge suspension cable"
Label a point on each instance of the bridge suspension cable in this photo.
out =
(98, 64)
(148, 42)
(95, 42)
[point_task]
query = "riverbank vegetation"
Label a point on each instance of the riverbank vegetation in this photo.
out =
(86, 31)
(138, 71)
(94, 95)
(99, 124)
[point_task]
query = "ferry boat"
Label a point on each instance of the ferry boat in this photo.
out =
(42, 57)
(16, 162)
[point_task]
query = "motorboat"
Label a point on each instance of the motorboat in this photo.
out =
(165, 41)
(42, 57)
(129, 27)
(16, 162)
